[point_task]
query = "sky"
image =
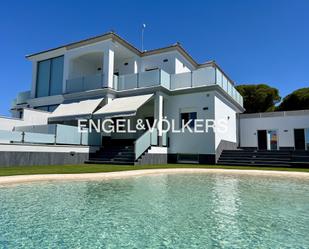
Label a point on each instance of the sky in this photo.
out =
(262, 41)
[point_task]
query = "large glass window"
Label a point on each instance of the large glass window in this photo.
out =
(47, 108)
(49, 77)
(42, 84)
(56, 76)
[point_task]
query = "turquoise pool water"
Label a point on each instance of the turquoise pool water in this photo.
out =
(162, 211)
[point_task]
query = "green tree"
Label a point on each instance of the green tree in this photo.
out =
(259, 98)
(297, 100)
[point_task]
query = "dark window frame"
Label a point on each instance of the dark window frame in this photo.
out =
(186, 116)
(50, 75)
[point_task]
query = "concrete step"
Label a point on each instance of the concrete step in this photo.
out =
(246, 164)
(254, 162)
(268, 157)
(109, 162)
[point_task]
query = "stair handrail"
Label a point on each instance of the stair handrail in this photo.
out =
(143, 143)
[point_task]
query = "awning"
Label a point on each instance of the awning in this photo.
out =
(71, 111)
(121, 107)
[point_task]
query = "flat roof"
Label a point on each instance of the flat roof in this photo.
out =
(112, 35)
(274, 114)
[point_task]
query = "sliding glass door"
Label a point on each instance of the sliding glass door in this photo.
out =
(267, 139)
(272, 140)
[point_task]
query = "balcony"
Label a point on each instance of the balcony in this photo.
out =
(201, 77)
(84, 83)
(140, 80)
(21, 98)
(207, 76)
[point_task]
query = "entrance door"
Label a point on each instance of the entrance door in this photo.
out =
(262, 140)
(299, 139)
(272, 140)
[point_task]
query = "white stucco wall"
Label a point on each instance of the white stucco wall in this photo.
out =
(224, 111)
(182, 65)
(176, 63)
(8, 124)
(127, 66)
(156, 61)
(285, 126)
(191, 143)
(80, 67)
(30, 117)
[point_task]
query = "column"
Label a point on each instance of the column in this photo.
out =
(158, 114)
(108, 68)
(66, 68)
(34, 76)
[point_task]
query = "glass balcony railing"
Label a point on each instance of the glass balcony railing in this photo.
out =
(201, 77)
(22, 97)
(206, 76)
(84, 83)
(140, 80)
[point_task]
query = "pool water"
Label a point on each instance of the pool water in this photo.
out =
(158, 211)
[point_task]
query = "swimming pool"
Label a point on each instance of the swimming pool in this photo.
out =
(158, 211)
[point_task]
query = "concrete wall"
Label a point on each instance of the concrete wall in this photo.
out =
(10, 159)
(155, 155)
(285, 125)
(28, 154)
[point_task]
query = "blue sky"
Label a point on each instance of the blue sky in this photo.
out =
(253, 41)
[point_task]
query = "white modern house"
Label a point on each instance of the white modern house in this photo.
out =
(105, 77)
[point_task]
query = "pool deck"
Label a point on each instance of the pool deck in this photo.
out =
(137, 173)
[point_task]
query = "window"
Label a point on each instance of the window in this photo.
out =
(186, 117)
(42, 108)
(49, 77)
(151, 69)
(47, 108)
(51, 108)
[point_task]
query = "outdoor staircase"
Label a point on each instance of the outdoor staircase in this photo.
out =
(280, 158)
(114, 151)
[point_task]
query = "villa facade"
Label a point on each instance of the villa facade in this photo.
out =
(105, 77)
